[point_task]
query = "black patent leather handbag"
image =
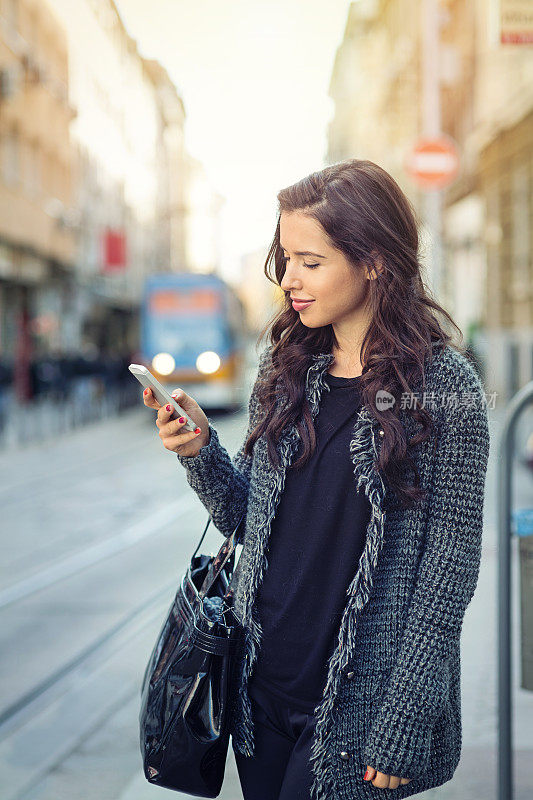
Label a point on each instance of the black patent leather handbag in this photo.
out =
(185, 695)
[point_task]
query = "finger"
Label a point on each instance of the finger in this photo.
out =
(381, 781)
(183, 399)
(178, 396)
(405, 780)
(369, 774)
(164, 413)
(394, 782)
(173, 442)
(173, 426)
(149, 399)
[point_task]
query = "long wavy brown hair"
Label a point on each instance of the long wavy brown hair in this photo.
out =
(367, 217)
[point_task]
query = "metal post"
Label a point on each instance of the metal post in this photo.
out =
(518, 403)
(431, 126)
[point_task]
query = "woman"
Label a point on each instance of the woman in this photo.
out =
(362, 475)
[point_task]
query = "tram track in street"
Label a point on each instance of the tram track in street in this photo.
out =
(41, 727)
(7, 488)
(69, 565)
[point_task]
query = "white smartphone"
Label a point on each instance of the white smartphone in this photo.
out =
(147, 380)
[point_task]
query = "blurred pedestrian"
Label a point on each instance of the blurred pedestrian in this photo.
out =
(6, 382)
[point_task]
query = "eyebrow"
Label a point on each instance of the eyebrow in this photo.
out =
(304, 252)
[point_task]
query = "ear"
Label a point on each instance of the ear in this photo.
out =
(375, 271)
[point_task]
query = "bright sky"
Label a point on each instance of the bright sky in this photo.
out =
(254, 76)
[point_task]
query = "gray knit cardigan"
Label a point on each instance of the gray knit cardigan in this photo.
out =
(392, 698)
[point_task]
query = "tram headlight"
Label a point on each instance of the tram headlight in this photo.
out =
(163, 363)
(208, 362)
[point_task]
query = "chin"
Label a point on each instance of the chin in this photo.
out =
(309, 324)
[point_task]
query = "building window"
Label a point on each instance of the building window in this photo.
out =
(33, 176)
(11, 16)
(520, 229)
(495, 277)
(10, 157)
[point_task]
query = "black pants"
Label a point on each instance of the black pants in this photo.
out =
(279, 768)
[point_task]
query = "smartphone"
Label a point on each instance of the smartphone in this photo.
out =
(147, 380)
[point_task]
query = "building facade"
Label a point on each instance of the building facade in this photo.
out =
(94, 180)
(486, 100)
(37, 217)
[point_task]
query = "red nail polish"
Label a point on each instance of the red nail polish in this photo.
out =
(197, 430)
(168, 408)
(145, 391)
(366, 776)
(181, 419)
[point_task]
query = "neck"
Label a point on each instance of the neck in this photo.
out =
(347, 364)
(338, 371)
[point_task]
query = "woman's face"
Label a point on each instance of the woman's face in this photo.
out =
(338, 290)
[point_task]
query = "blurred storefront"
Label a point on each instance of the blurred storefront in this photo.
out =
(94, 181)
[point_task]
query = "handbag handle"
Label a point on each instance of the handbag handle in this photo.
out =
(206, 527)
(225, 551)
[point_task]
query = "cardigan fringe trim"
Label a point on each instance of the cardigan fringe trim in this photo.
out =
(363, 449)
(364, 453)
(243, 736)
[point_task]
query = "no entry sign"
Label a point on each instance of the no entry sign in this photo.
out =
(433, 163)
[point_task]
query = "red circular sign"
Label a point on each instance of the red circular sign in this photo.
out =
(433, 163)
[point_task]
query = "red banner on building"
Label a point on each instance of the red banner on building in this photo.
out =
(516, 22)
(114, 250)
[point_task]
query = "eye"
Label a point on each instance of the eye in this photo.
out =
(309, 266)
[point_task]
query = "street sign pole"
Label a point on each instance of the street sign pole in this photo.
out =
(505, 452)
(431, 122)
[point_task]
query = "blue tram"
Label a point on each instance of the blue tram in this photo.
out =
(193, 336)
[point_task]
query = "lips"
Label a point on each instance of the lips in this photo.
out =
(300, 305)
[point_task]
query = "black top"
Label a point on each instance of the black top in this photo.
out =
(316, 540)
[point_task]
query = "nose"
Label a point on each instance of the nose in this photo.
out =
(291, 279)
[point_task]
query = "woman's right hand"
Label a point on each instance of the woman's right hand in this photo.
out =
(182, 442)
